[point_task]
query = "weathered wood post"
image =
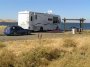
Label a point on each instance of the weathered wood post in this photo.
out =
(64, 24)
(80, 25)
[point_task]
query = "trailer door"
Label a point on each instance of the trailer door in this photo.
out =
(31, 21)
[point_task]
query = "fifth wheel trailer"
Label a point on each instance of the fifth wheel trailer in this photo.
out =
(36, 21)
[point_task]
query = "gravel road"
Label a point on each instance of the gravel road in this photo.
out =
(28, 37)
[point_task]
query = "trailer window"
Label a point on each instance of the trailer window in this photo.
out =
(31, 18)
(49, 19)
(55, 20)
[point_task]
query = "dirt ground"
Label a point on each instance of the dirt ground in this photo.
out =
(40, 35)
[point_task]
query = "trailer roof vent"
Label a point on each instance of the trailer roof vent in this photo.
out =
(50, 12)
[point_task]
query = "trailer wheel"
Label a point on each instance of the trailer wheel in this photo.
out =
(41, 29)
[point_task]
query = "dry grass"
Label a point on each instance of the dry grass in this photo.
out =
(2, 29)
(69, 51)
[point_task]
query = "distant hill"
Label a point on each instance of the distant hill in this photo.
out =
(7, 20)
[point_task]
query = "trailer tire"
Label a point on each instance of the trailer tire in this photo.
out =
(41, 29)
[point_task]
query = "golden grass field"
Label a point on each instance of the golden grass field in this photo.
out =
(2, 29)
(50, 50)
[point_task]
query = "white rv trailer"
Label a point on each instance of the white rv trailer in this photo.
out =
(38, 21)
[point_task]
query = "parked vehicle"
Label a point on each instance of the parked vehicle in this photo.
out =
(16, 30)
(36, 21)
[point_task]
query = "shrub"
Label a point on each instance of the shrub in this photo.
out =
(35, 58)
(76, 59)
(69, 43)
(2, 45)
(55, 54)
(7, 58)
(40, 57)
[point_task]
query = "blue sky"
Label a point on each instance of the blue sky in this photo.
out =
(65, 8)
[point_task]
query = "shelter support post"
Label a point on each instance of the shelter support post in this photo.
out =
(64, 24)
